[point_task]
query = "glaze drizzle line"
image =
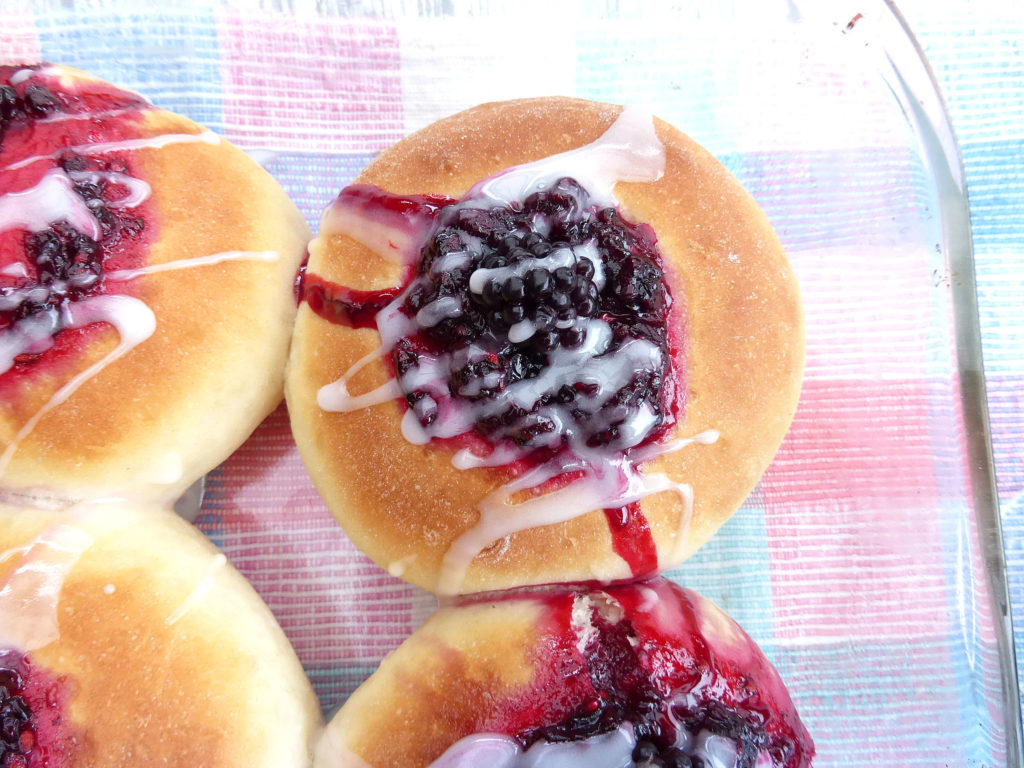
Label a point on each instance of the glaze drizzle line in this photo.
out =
(29, 595)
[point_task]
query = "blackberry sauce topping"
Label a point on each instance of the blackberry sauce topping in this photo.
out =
(34, 102)
(687, 731)
(16, 720)
(69, 213)
(67, 263)
(542, 326)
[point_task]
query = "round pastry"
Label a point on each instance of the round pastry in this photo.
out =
(126, 639)
(146, 291)
(542, 341)
(648, 674)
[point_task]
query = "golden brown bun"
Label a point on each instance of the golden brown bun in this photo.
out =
(526, 662)
(167, 654)
(405, 504)
(178, 404)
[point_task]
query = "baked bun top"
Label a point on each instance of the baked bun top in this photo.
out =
(130, 641)
(644, 669)
(607, 440)
(146, 292)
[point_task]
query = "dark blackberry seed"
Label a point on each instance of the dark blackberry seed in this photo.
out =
(426, 410)
(10, 102)
(419, 296)
(586, 308)
(538, 282)
(88, 190)
(541, 250)
(543, 319)
(475, 221)
(531, 239)
(513, 313)
(643, 751)
(573, 337)
(106, 220)
(509, 242)
(39, 101)
(580, 289)
(567, 315)
(560, 300)
(83, 245)
(676, 758)
(496, 320)
(516, 367)
(585, 269)
(566, 394)
(518, 254)
(697, 762)
(514, 289)
(492, 293)
(494, 261)
(563, 277)
(72, 163)
(545, 342)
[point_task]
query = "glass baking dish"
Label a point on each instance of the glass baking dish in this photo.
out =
(868, 562)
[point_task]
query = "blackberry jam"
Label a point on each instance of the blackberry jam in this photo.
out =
(16, 720)
(540, 326)
(64, 217)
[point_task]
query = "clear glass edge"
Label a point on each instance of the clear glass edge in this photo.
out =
(926, 112)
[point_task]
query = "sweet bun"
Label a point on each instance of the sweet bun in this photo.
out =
(611, 677)
(706, 328)
(126, 640)
(146, 292)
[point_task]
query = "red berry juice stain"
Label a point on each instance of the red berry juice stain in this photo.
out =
(632, 539)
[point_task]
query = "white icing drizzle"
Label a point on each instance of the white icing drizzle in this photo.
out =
(64, 117)
(126, 145)
(52, 199)
(14, 269)
(604, 484)
(628, 151)
(134, 322)
(200, 592)
(608, 750)
(336, 397)
(198, 261)
(396, 241)
(21, 76)
(563, 257)
(30, 593)
(138, 190)
(32, 335)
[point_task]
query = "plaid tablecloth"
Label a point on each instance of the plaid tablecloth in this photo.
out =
(316, 90)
